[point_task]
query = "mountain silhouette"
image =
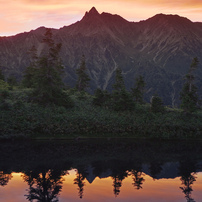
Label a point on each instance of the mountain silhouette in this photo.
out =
(160, 49)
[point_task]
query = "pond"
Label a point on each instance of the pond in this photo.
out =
(101, 170)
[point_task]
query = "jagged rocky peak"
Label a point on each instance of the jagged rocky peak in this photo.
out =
(92, 21)
(92, 13)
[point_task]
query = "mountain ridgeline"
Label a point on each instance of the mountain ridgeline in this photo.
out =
(160, 49)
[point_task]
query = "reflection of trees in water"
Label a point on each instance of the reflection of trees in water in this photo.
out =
(44, 186)
(4, 178)
(108, 158)
(79, 180)
(187, 171)
(117, 182)
(137, 179)
(187, 181)
(119, 172)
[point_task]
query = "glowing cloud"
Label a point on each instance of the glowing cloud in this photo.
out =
(23, 15)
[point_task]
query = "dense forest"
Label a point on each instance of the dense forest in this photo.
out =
(42, 106)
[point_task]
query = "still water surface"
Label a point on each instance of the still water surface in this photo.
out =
(101, 170)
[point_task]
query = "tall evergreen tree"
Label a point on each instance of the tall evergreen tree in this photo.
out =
(119, 81)
(83, 78)
(121, 98)
(79, 180)
(46, 75)
(188, 95)
(101, 98)
(138, 90)
(30, 71)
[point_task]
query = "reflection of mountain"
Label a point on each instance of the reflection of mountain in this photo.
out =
(44, 163)
(91, 176)
(159, 48)
(169, 170)
(102, 158)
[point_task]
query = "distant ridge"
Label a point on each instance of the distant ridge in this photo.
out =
(160, 48)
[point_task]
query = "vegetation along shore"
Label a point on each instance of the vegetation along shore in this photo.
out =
(41, 106)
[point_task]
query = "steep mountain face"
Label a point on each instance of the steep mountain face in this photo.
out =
(160, 48)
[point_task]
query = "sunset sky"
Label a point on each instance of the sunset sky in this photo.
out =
(17, 16)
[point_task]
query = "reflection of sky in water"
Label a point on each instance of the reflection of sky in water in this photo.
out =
(103, 171)
(102, 190)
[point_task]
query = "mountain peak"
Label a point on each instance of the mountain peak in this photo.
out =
(93, 11)
(171, 19)
(91, 15)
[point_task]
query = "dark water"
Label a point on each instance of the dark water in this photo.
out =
(101, 170)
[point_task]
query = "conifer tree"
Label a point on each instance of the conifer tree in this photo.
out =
(46, 73)
(121, 98)
(101, 98)
(119, 81)
(138, 90)
(188, 95)
(157, 104)
(29, 73)
(83, 78)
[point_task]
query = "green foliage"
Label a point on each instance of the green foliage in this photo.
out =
(189, 99)
(80, 95)
(4, 93)
(138, 90)
(157, 104)
(12, 81)
(121, 99)
(29, 76)
(119, 81)
(110, 115)
(47, 81)
(18, 116)
(4, 85)
(83, 78)
(30, 71)
(44, 75)
(188, 95)
(101, 98)
(1, 75)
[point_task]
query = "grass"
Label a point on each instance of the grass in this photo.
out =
(20, 118)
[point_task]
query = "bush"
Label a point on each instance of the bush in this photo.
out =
(4, 94)
(122, 100)
(157, 104)
(101, 98)
(4, 88)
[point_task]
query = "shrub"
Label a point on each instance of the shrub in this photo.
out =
(157, 104)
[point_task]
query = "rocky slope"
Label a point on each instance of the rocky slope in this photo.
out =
(160, 48)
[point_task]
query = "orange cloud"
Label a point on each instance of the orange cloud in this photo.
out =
(23, 15)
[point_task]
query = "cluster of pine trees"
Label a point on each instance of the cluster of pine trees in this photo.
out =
(44, 76)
